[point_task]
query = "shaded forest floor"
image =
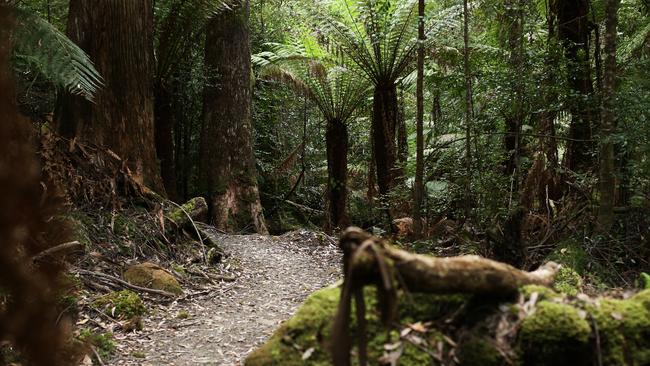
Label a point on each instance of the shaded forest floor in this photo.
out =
(220, 327)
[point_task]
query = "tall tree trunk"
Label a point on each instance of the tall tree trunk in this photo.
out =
(547, 118)
(573, 32)
(118, 37)
(468, 113)
(514, 18)
(418, 191)
(402, 136)
(164, 126)
(372, 170)
(607, 186)
(384, 122)
(228, 171)
(336, 139)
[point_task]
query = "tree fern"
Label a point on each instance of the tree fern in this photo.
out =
(40, 47)
(337, 90)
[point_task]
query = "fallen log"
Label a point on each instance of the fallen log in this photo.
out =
(370, 260)
(421, 273)
(184, 215)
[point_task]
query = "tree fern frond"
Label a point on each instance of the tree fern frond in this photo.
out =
(38, 45)
(635, 42)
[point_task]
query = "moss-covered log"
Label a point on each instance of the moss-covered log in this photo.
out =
(369, 260)
(194, 209)
(471, 327)
(421, 273)
(541, 328)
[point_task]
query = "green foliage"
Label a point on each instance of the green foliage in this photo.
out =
(41, 48)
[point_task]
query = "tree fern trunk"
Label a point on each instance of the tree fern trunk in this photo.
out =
(336, 139)
(118, 36)
(228, 172)
(384, 123)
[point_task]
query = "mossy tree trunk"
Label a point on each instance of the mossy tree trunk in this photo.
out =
(228, 173)
(118, 37)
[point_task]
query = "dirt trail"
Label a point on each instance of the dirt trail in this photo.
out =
(275, 275)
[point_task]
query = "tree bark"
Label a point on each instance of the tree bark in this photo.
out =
(514, 17)
(547, 117)
(418, 189)
(607, 182)
(118, 37)
(384, 123)
(336, 139)
(164, 126)
(468, 112)
(402, 136)
(228, 173)
(573, 32)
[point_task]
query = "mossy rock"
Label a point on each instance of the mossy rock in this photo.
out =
(556, 334)
(152, 276)
(123, 304)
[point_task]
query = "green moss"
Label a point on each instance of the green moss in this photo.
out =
(103, 342)
(179, 269)
(568, 281)
(183, 314)
(179, 214)
(571, 254)
(555, 334)
(121, 304)
(479, 352)
(138, 354)
(309, 325)
(543, 293)
(624, 329)
(644, 280)
(418, 307)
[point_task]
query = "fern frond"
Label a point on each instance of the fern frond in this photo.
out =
(39, 46)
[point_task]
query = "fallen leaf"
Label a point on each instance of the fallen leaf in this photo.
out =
(418, 327)
(308, 353)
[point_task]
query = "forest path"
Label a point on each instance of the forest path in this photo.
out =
(275, 275)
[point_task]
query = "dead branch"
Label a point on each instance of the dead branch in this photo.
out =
(124, 283)
(59, 248)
